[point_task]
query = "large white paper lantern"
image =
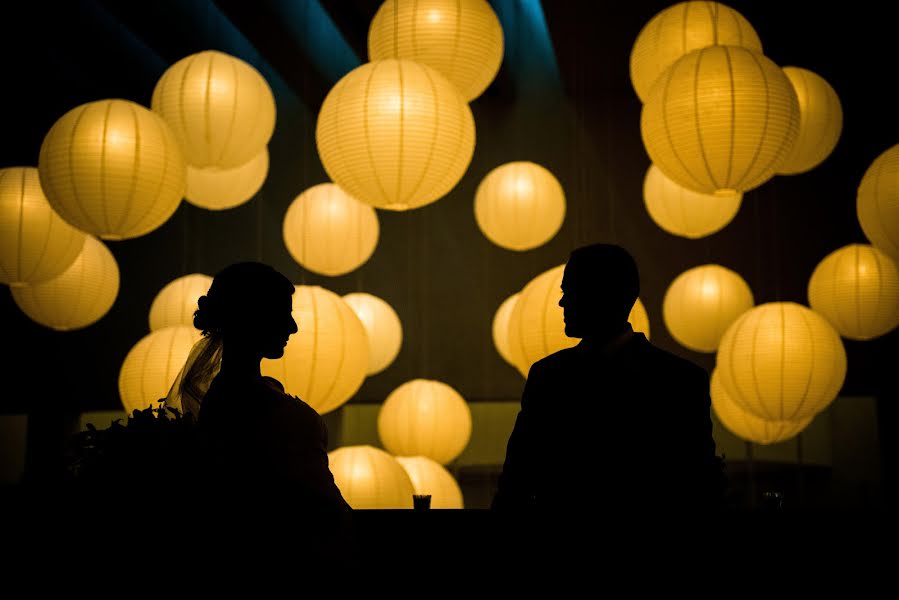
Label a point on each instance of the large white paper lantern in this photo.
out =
(683, 212)
(430, 477)
(382, 326)
(368, 477)
(152, 365)
(220, 189)
(176, 303)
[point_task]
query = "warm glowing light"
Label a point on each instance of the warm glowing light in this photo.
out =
(152, 365)
(176, 303)
(683, 212)
(220, 189)
(368, 477)
(501, 328)
(877, 203)
(382, 326)
(820, 121)
(430, 477)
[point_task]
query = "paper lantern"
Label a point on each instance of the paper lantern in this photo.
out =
(463, 39)
(395, 134)
(519, 205)
(721, 119)
(328, 231)
(36, 244)
(176, 303)
(382, 326)
(77, 298)
(820, 121)
(501, 328)
(701, 303)
(326, 361)
(746, 426)
(152, 365)
(220, 108)
(680, 29)
(683, 212)
(856, 288)
(639, 319)
(781, 361)
(113, 169)
(370, 478)
(429, 477)
(220, 189)
(424, 417)
(877, 202)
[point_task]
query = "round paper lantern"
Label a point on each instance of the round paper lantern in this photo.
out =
(683, 212)
(395, 134)
(721, 119)
(746, 426)
(519, 205)
(328, 231)
(370, 478)
(424, 417)
(176, 303)
(220, 108)
(77, 298)
(877, 202)
(383, 327)
(781, 361)
(701, 303)
(463, 39)
(680, 29)
(429, 477)
(112, 168)
(36, 244)
(820, 121)
(639, 319)
(856, 288)
(152, 365)
(220, 189)
(326, 361)
(501, 328)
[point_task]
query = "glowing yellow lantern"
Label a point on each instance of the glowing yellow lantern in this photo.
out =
(462, 39)
(220, 108)
(680, 29)
(326, 361)
(430, 477)
(683, 212)
(639, 319)
(856, 288)
(112, 168)
(877, 202)
(519, 205)
(368, 477)
(721, 119)
(424, 417)
(152, 365)
(78, 297)
(220, 189)
(781, 361)
(36, 244)
(701, 303)
(328, 231)
(395, 134)
(382, 326)
(747, 426)
(501, 328)
(820, 121)
(176, 303)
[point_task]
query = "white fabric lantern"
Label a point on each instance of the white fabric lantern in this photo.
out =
(152, 365)
(176, 303)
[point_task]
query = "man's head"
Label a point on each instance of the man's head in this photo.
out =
(599, 288)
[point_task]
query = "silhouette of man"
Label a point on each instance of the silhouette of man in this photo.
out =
(614, 415)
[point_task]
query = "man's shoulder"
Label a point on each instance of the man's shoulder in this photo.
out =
(553, 361)
(659, 358)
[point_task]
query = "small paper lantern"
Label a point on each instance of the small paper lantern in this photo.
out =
(781, 361)
(856, 288)
(220, 189)
(77, 298)
(680, 29)
(220, 108)
(368, 477)
(820, 121)
(326, 361)
(501, 328)
(746, 426)
(463, 39)
(877, 202)
(683, 212)
(519, 205)
(113, 169)
(395, 134)
(176, 303)
(152, 365)
(36, 244)
(701, 303)
(424, 417)
(721, 119)
(383, 327)
(329, 232)
(429, 477)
